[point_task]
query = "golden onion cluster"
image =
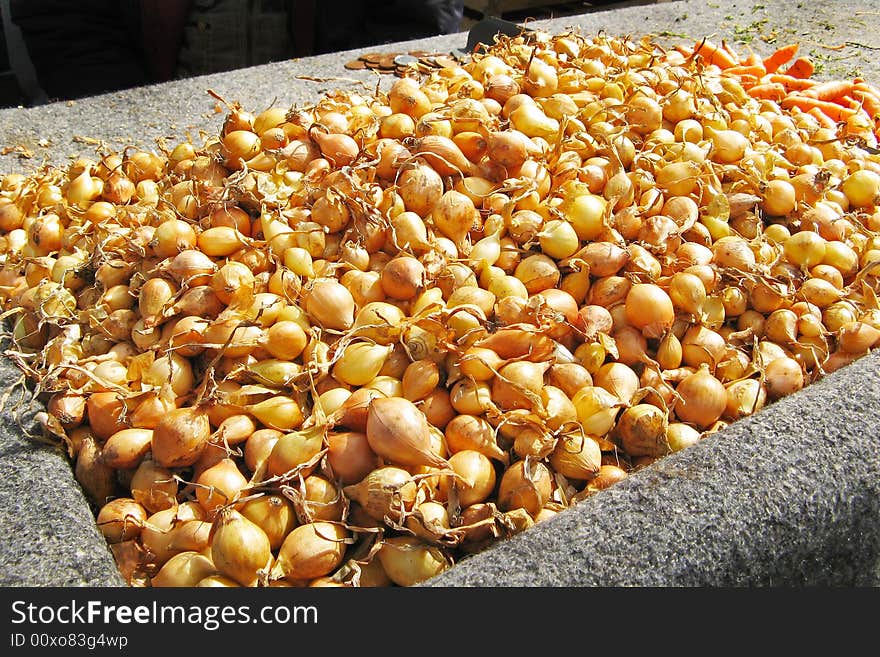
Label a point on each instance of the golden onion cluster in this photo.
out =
(351, 343)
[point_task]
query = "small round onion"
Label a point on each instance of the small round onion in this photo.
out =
(609, 475)
(641, 430)
(180, 437)
(220, 484)
(618, 379)
(185, 569)
(121, 519)
(408, 560)
(350, 457)
(311, 550)
(105, 412)
(321, 499)
(649, 308)
(783, 376)
(153, 486)
(360, 363)
(853, 338)
(525, 485)
(576, 456)
(293, 452)
(330, 304)
(473, 432)
(680, 435)
(744, 397)
(597, 409)
(703, 398)
(258, 447)
(239, 548)
(125, 449)
(398, 432)
(386, 491)
(474, 478)
(274, 514)
(420, 378)
(403, 277)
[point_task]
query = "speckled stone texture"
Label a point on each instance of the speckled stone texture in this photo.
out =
(48, 535)
(786, 497)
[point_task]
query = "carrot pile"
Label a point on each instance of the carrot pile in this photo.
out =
(786, 79)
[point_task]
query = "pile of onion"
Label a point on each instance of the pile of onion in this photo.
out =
(352, 343)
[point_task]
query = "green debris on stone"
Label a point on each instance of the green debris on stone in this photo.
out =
(747, 33)
(832, 65)
(668, 34)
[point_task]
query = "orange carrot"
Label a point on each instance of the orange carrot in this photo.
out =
(790, 83)
(824, 120)
(714, 54)
(768, 91)
(830, 90)
(780, 56)
(729, 50)
(848, 101)
(687, 51)
(752, 59)
(806, 103)
(861, 85)
(747, 81)
(742, 69)
(802, 67)
(870, 103)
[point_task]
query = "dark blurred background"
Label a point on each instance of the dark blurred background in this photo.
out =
(64, 49)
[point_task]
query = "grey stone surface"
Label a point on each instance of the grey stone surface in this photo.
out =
(789, 496)
(48, 535)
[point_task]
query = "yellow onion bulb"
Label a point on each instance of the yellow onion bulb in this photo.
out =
(525, 485)
(385, 491)
(597, 409)
(121, 519)
(703, 398)
(649, 309)
(641, 430)
(220, 484)
(311, 550)
(274, 514)
(360, 363)
(783, 376)
(185, 569)
(409, 560)
(239, 548)
(180, 437)
(350, 457)
(744, 397)
(153, 486)
(330, 304)
(474, 479)
(576, 456)
(398, 432)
